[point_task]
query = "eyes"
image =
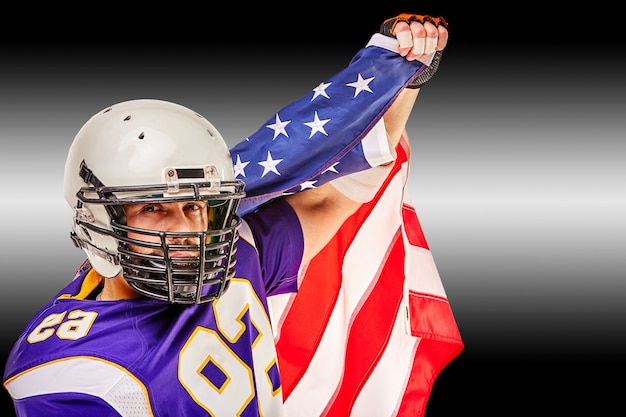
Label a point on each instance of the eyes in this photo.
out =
(191, 206)
(165, 210)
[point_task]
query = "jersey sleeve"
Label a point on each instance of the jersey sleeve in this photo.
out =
(279, 242)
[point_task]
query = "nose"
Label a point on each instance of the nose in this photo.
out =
(177, 221)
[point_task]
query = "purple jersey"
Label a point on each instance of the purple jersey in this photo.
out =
(145, 357)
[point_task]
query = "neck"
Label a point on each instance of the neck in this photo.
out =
(117, 288)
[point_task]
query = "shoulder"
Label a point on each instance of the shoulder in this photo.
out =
(275, 234)
(275, 218)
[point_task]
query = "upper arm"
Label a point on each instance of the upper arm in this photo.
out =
(321, 212)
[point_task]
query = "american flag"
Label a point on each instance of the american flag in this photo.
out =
(371, 328)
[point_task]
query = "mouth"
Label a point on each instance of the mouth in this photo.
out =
(183, 257)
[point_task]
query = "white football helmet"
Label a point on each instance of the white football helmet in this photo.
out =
(153, 151)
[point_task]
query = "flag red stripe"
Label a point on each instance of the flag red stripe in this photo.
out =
(297, 342)
(413, 228)
(371, 329)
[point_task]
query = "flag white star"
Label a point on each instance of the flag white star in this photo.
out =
(279, 127)
(320, 90)
(270, 164)
(240, 167)
(332, 168)
(361, 85)
(307, 184)
(317, 125)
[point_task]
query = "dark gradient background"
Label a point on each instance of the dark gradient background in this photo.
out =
(518, 169)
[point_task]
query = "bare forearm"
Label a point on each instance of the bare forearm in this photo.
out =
(398, 114)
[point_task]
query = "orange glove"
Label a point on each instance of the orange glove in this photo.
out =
(389, 25)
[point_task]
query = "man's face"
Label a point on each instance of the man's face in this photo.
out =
(189, 216)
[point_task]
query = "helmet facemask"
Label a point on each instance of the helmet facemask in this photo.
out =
(148, 257)
(199, 277)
